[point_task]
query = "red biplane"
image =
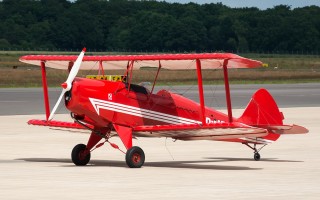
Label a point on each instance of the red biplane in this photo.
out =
(132, 110)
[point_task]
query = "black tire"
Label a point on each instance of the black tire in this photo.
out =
(80, 155)
(135, 157)
(256, 156)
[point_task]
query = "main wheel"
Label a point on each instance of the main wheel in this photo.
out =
(256, 156)
(135, 157)
(80, 155)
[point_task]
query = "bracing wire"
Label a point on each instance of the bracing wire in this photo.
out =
(165, 142)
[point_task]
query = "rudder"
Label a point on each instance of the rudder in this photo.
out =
(262, 110)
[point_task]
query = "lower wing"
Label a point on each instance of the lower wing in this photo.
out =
(200, 132)
(54, 123)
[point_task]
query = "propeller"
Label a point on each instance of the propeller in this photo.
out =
(66, 86)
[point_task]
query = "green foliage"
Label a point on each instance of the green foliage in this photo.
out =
(122, 25)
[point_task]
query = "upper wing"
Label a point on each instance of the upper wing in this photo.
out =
(199, 132)
(168, 61)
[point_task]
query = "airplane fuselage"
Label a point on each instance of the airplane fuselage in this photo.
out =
(106, 102)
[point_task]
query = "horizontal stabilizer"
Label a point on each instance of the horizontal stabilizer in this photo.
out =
(294, 129)
(263, 112)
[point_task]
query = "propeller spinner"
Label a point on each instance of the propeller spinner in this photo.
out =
(66, 86)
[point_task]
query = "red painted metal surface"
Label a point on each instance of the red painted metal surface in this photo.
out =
(101, 70)
(53, 123)
(125, 134)
(64, 85)
(93, 140)
(130, 76)
(155, 79)
(45, 90)
(188, 127)
(170, 61)
(227, 90)
(262, 110)
(200, 89)
(136, 57)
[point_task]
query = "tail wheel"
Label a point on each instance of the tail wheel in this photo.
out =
(80, 155)
(256, 156)
(135, 157)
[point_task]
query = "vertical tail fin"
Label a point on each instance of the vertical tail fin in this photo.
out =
(262, 110)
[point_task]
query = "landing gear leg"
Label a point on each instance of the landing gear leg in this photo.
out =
(256, 155)
(81, 153)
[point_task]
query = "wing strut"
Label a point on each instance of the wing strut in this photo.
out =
(227, 88)
(155, 79)
(45, 89)
(201, 97)
(130, 69)
(101, 68)
(47, 106)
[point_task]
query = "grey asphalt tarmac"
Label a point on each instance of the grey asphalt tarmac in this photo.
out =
(25, 101)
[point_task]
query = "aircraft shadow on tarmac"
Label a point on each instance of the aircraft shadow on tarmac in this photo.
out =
(200, 164)
(250, 159)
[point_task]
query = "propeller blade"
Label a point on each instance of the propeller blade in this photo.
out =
(57, 104)
(75, 69)
(66, 86)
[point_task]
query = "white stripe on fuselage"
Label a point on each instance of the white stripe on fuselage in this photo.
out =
(140, 112)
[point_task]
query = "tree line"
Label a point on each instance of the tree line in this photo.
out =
(122, 25)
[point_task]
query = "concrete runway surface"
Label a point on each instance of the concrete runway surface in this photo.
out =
(35, 164)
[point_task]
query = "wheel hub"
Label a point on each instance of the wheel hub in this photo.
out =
(136, 158)
(83, 154)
